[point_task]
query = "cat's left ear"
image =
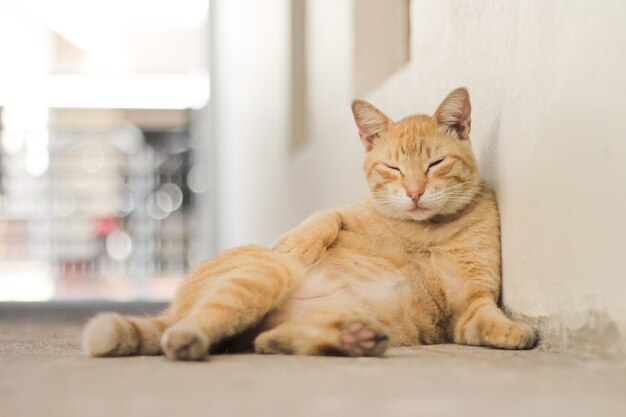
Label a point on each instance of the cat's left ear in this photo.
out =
(370, 121)
(455, 111)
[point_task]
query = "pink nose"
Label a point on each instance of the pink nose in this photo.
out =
(414, 194)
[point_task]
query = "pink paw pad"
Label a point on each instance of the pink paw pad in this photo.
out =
(358, 339)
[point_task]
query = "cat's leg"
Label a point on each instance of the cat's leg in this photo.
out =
(246, 283)
(484, 324)
(111, 334)
(308, 242)
(326, 332)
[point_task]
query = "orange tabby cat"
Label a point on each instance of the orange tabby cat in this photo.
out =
(416, 263)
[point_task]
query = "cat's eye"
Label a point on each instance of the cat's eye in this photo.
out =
(434, 164)
(392, 167)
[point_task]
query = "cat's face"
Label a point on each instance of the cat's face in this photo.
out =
(422, 166)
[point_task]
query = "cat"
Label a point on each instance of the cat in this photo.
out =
(418, 262)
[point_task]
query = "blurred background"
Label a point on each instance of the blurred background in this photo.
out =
(139, 137)
(103, 155)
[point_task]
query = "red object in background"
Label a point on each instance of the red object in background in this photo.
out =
(104, 225)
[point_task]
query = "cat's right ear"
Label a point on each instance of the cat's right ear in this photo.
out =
(455, 112)
(370, 121)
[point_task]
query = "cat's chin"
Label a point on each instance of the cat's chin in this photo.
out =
(420, 214)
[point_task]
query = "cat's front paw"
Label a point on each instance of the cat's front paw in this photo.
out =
(184, 342)
(509, 335)
(300, 246)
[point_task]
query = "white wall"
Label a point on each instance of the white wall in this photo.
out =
(263, 188)
(249, 92)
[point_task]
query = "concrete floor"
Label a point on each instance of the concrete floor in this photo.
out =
(43, 373)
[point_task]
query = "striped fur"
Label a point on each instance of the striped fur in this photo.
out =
(416, 263)
(111, 334)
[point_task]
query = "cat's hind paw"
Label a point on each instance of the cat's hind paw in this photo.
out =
(333, 338)
(185, 343)
(359, 339)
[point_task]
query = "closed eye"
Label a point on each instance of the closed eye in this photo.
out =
(392, 167)
(434, 164)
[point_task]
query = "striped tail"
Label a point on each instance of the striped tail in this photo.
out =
(111, 334)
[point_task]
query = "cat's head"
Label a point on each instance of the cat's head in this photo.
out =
(421, 167)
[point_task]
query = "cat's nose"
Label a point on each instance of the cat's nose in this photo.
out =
(415, 194)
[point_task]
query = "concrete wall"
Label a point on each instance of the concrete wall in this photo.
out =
(381, 41)
(263, 186)
(249, 91)
(547, 80)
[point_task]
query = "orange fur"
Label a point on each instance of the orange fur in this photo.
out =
(416, 263)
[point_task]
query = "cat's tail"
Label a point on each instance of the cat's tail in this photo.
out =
(111, 334)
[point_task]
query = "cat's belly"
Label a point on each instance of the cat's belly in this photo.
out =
(388, 289)
(353, 278)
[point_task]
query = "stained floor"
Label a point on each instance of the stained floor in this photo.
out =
(43, 373)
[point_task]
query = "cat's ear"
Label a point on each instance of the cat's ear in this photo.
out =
(455, 111)
(370, 121)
